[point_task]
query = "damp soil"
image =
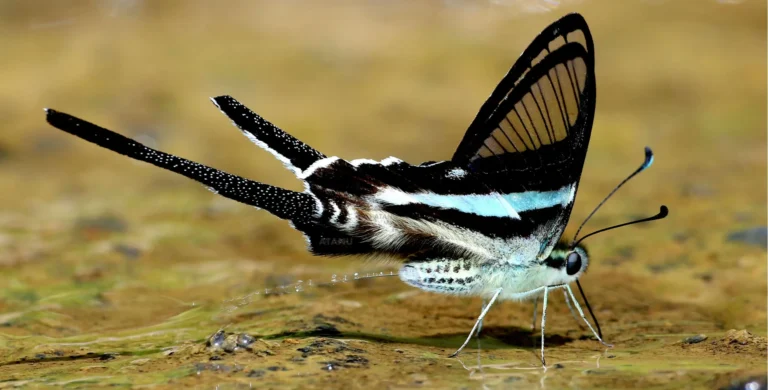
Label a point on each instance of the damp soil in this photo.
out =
(119, 274)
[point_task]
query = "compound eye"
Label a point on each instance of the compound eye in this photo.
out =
(573, 264)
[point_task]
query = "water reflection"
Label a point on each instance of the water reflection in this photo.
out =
(488, 373)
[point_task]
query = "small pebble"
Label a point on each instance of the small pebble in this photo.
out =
(256, 374)
(694, 339)
(244, 340)
(216, 339)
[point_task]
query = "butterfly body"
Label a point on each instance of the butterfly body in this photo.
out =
(474, 277)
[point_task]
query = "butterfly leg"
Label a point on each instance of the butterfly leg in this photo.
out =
(570, 308)
(543, 322)
(535, 309)
(581, 313)
(478, 322)
(480, 327)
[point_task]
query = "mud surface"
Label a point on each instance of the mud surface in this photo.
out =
(116, 273)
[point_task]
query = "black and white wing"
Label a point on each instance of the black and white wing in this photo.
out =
(530, 138)
(539, 118)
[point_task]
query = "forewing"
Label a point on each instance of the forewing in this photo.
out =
(529, 140)
(538, 120)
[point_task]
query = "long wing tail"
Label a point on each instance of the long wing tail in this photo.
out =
(285, 204)
(296, 155)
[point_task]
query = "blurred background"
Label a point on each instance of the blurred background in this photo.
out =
(116, 272)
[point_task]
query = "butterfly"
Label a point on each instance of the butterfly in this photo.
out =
(488, 222)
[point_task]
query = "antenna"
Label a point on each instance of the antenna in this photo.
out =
(663, 213)
(647, 163)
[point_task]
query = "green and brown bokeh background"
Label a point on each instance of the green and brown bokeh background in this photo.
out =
(115, 272)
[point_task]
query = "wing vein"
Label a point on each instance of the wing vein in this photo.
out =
(563, 111)
(520, 137)
(568, 66)
(550, 127)
(525, 107)
(505, 134)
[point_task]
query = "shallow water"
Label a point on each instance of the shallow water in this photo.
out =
(117, 273)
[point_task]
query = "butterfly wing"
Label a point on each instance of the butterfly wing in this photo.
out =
(530, 138)
(547, 95)
(509, 189)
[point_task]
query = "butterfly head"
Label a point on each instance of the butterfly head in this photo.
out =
(569, 262)
(576, 261)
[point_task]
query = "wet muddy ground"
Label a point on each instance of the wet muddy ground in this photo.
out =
(115, 273)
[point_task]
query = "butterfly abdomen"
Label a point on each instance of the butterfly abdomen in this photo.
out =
(448, 276)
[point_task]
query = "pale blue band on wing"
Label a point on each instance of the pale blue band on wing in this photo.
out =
(486, 205)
